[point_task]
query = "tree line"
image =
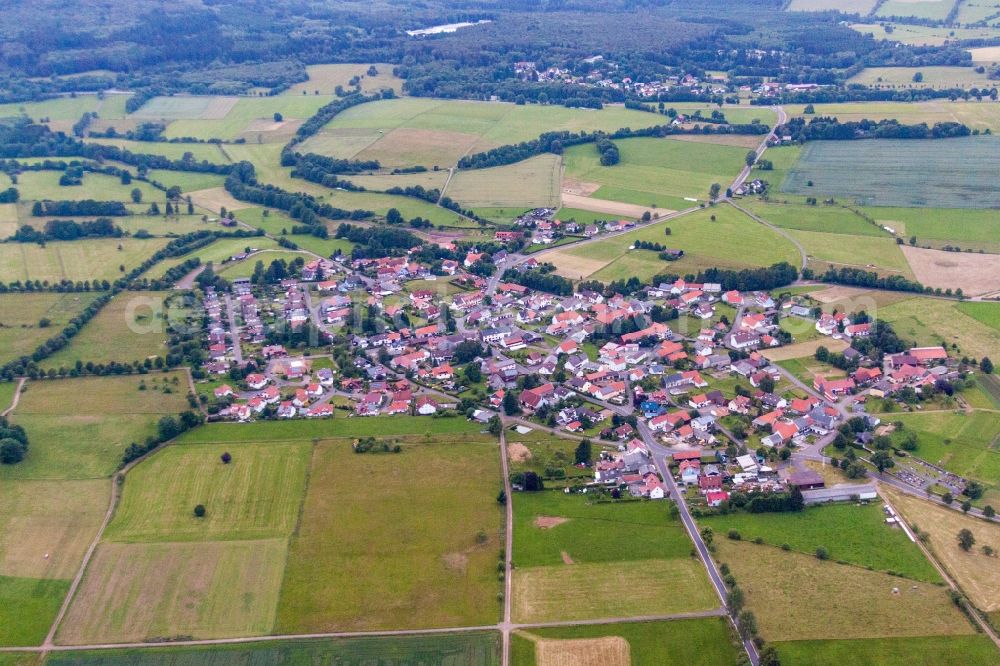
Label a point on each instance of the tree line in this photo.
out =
(67, 230)
(824, 128)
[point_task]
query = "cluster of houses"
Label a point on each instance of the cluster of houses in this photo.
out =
(630, 467)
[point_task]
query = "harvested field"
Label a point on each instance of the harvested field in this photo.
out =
(609, 651)
(974, 273)
(609, 207)
(986, 54)
(573, 266)
(835, 600)
(580, 187)
(215, 198)
(325, 78)
(403, 147)
(531, 183)
(976, 574)
(519, 453)
(548, 522)
(180, 107)
(46, 526)
(555, 593)
(139, 592)
(739, 140)
(802, 349)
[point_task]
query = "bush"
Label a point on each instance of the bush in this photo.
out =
(226, 458)
(199, 511)
(734, 535)
(822, 553)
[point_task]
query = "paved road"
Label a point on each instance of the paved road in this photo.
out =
(234, 330)
(745, 173)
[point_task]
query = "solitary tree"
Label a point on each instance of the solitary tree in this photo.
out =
(136, 195)
(713, 191)
(199, 511)
(965, 539)
(278, 117)
(966, 505)
(583, 453)
(226, 458)
(947, 498)
(986, 365)
(988, 511)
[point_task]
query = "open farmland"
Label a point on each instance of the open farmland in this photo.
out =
(976, 575)
(67, 108)
(208, 152)
(419, 553)
(256, 496)
(702, 642)
(953, 173)
(826, 219)
(974, 11)
(733, 240)
(217, 252)
(8, 220)
(246, 267)
(932, 77)
(922, 35)
(277, 223)
(935, 10)
(937, 227)
(851, 533)
(40, 185)
(977, 115)
(324, 79)
(880, 254)
(90, 259)
(975, 274)
(984, 313)
(929, 321)
(846, 6)
(131, 327)
(139, 592)
(977, 650)
(532, 183)
(835, 600)
(21, 318)
(428, 132)
(465, 649)
(655, 172)
(27, 608)
(79, 428)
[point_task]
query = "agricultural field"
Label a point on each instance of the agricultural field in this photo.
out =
(856, 534)
(379, 182)
(825, 219)
(419, 553)
(952, 173)
(131, 327)
(246, 267)
(561, 539)
(91, 259)
(277, 223)
(929, 321)
(208, 152)
(733, 240)
(324, 79)
(977, 650)
(160, 225)
(702, 642)
(27, 608)
(188, 181)
(467, 649)
(932, 77)
(256, 496)
(586, 217)
(41, 185)
(345, 429)
(978, 578)
(835, 600)
(977, 115)
(868, 252)
(935, 10)
(937, 227)
(532, 183)
(846, 6)
(21, 317)
(654, 172)
(79, 428)
(974, 11)
(921, 35)
(141, 592)
(8, 220)
(67, 108)
(974, 273)
(217, 252)
(985, 54)
(429, 132)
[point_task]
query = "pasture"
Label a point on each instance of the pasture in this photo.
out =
(977, 115)
(935, 10)
(188, 181)
(701, 642)
(246, 267)
(208, 152)
(131, 327)
(453, 429)
(807, 367)
(46, 526)
(467, 649)
(429, 132)
(976, 575)
(976, 650)
(834, 600)
(27, 608)
(929, 321)
(732, 240)
(140, 592)
(851, 533)
(932, 77)
(825, 219)
(160, 225)
(278, 223)
(953, 173)
(871, 253)
(974, 11)
(557, 593)
(921, 35)
(656, 172)
(380, 182)
(256, 496)
(21, 316)
(79, 428)
(67, 108)
(421, 552)
(984, 313)
(41, 185)
(8, 220)
(937, 227)
(91, 259)
(532, 183)
(217, 252)
(324, 79)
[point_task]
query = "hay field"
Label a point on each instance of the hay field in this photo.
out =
(419, 552)
(27, 608)
(528, 184)
(656, 172)
(250, 118)
(178, 107)
(139, 592)
(920, 35)
(557, 593)
(91, 259)
(976, 650)
(928, 321)
(977, 115)
(131, 327)
(945, 173)
(973, 11)
(933, 77)
(323, 79)
(216, 252)
(8, 220)
(747, 141)
(936, 10)
(256, 496)
(46, 526)
(835, 600)
(973, 273)
(986, 54)
(209, 152)
(20, 315)
(39, 185)
(977, 576)
(608, 210)
(937, 227)
(380, 182)
(880, 254)
(79, 428)
(67, 108)
(733, 240)
(609, 651)
(826, 219)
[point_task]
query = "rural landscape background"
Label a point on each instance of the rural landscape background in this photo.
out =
(500, 333)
